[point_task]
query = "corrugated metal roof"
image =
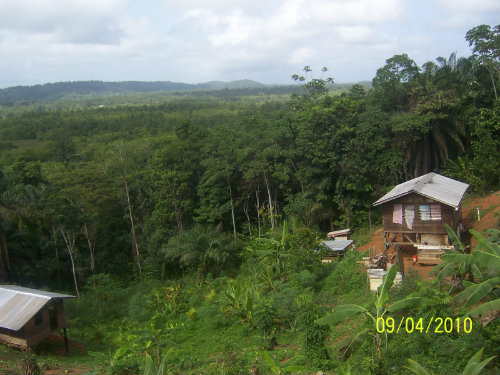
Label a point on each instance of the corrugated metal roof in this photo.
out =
(337, 245)
(335, 233)
(18, 305)
(431, 185)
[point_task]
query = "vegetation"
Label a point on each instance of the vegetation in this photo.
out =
(189, 225)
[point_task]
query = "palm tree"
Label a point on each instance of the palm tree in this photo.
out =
(430, 132)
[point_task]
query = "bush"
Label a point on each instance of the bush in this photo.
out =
(283, 297)
(265, 318)
(305, 279)
(347, 276)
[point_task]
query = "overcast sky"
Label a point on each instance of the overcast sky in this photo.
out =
(203, 40)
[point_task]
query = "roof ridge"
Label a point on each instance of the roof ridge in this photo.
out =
(424, 179)
(26, 292)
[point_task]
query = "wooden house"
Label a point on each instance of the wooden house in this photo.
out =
(415, 213)
(28, 316)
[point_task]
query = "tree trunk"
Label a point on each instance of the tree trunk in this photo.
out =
(54, 237)
(90, 237)
(135, 247)
(270, 201)
(296, 173)
(370, 221)
(258, 208)
(245, 209)
(178, 217)
(4, 256)
(492, 81)
(69, 239)
(232, 206)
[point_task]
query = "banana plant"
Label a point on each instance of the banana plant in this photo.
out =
(152, 368)
(483, 263)
(272, 253)
(473, 366)
(459, 268)
(277, 369)
(240, 298)
(375, 314)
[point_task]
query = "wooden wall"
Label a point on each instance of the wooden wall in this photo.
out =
(32, 333)
(448, 216)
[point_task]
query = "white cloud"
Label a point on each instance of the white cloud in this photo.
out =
(200, 40)
(469, 6)
(75, 21)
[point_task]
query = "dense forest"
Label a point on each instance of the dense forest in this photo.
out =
(191, 225)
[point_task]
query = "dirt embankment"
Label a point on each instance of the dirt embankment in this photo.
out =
(489, 214)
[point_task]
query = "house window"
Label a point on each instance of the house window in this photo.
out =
(425, 212)
(38, 318)
(435, 212)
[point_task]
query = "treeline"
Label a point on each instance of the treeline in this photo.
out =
(79, 89)
(111, 189)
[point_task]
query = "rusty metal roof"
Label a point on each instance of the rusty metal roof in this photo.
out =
(432, 185)
(18, 305)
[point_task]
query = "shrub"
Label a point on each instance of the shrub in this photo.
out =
(347, 276)
(265, 318)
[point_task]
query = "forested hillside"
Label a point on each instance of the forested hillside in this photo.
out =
(196, 218)
(56, 91)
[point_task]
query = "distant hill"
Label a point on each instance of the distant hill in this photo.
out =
(55, 91)
(27, 96)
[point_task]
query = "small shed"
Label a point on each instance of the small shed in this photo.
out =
(28, 316)
(415, 213)
(338, 247)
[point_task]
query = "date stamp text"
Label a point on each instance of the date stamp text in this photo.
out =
(433, 325)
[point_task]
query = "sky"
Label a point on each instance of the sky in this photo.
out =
(195, 41)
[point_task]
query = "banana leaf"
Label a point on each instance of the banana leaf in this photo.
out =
(485, 308)
(383, 289)
(417, 368)
(454, 238)
(356, 343)
(488, 261)
(340, 313)
(271, 363)
(148, 365)
(465, 259)
(486, 245)
(407, 303)
(474, 293)
(474, 366)
(162, 368)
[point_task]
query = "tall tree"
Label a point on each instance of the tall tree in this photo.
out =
(485, 43)
(224, 150)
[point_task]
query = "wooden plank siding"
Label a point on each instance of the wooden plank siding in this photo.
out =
(448, 215)
(10, 338)
(36, 329)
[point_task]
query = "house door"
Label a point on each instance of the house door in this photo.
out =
(53, 318)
